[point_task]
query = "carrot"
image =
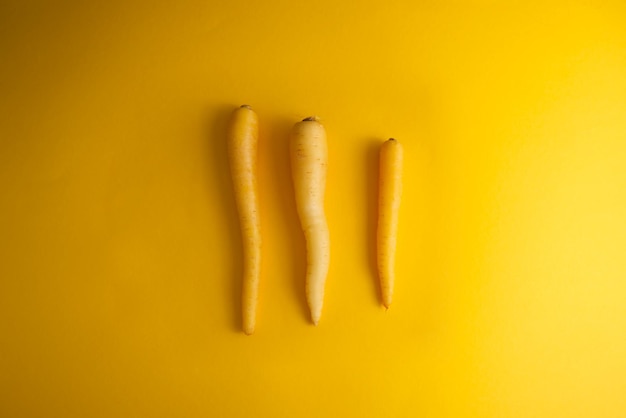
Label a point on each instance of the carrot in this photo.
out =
(242, 153)
(309, 158)
(389, 194)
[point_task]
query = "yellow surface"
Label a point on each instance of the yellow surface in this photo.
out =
(120, 247)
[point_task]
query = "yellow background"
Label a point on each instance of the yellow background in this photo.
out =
(120, 248)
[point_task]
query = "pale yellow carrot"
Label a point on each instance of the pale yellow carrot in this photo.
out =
(242, 152)
(309, 159)
(389, 194)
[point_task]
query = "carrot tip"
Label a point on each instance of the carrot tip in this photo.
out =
(246, 107)
(248, 329)
(311, 119)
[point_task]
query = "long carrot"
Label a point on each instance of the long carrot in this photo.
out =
(390, 192)
(309, 158)
(242, 152)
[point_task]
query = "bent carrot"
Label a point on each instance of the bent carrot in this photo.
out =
(309, 158)
(389, 194)
(242, 153)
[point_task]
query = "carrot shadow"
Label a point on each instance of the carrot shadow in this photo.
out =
(287, 222)
(371, 179)
(219, 169)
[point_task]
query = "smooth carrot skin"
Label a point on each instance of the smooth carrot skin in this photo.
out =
(389, 194)
(242, 153)
(309, 159)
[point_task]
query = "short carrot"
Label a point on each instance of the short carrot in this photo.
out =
(242, 152)
(309, 158)
(389, 194)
